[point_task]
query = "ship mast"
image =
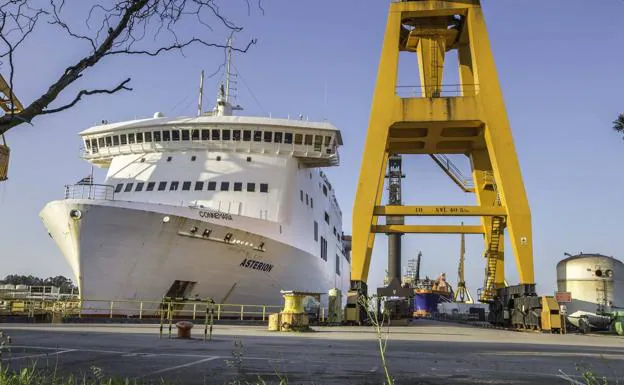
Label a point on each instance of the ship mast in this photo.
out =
(224, 107)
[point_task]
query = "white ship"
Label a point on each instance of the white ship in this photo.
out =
(233, 208)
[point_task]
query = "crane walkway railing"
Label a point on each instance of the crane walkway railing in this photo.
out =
(446, 164)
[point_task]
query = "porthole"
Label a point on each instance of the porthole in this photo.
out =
(598, 273)
(168, 159)
(218, 158)
(75, 214)
(193, 158)
(249, 159)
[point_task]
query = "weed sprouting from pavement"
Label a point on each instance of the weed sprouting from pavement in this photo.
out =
(382, 336)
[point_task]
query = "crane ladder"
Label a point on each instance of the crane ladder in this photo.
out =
(489, 287)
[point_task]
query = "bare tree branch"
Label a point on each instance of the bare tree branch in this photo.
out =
(121, 86)
(112, 28)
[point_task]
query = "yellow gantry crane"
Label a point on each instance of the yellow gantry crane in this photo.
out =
(462, 294)
(10, 105)
(436, 119)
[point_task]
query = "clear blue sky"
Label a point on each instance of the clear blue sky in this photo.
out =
(560, 67)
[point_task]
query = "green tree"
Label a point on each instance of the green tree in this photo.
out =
(65, 284)
(618, 124)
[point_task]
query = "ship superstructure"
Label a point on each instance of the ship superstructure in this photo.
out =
(234, 208)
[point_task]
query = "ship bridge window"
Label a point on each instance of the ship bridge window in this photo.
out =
(288, 138)
(268, 136)
(264, 188)
(257, 136)
(251, 187)
(116, 140)
(156, 136)
(323, 249)
(327, 140)
(118, 187)
(150, 186)
(109, 141)
(205, 134)
(225, 186)
(308, 140)
(186, 186)
(87, 144)
(318, 142)
(185, 135)
(226, 134)
(194, 134)
(162, 186)
(298, 138)
(148, 137)
(246, 135)
(326, 217)
(337, 264)
(238, 186)
(175, 135)
(216, 134)
(123, 139)
(174, 186)
(277, 137)
(139, 137)
(199, 186)
(212, 186)
(128, 187)
(139, 186)
(101, 142)
(130, 138)
(236, 135)
(166, 135)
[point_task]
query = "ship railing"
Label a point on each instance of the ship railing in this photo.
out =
(322, 154)
(141, 310)
(441, 91)
(90, 191)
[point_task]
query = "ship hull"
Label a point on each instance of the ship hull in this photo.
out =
(122, 253)
(426, 302)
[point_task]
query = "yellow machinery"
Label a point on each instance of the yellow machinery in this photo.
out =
(551, 319)
(9, 104)
(354, 309)
(468, 118)
(293, 315)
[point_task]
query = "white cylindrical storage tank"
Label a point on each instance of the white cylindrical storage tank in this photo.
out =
(596, 282)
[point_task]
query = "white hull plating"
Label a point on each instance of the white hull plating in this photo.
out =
(132, 251)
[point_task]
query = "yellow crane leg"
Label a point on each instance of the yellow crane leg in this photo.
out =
(501, 149)
(373, 168)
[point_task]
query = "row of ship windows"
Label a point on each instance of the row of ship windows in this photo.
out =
(186, 186)
(316, 230)
(324, 255)
(208, 134)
